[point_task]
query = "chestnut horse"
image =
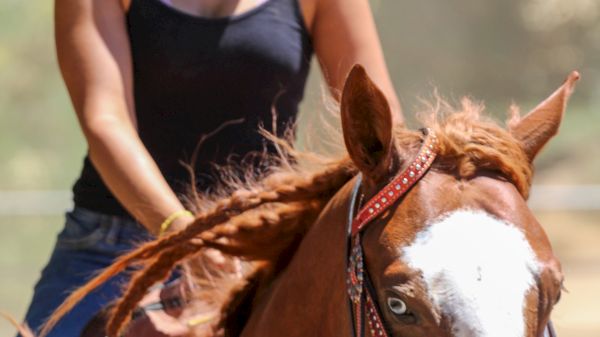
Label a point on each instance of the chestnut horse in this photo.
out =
(414, 234)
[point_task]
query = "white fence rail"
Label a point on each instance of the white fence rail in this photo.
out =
(543, 198)
(29, 203)
(565, 197)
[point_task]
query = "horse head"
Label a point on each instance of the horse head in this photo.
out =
(460, 254)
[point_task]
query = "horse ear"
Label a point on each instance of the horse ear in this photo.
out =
(367, 125)
(541, 124)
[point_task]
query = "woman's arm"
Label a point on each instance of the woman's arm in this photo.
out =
(344, 34)
(95, 61)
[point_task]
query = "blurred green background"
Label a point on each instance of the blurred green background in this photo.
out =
(497, 51)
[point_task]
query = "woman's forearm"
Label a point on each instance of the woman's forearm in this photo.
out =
(130, 172)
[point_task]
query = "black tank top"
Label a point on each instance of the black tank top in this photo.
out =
(194, 75)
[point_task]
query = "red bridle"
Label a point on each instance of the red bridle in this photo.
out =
(360, 290)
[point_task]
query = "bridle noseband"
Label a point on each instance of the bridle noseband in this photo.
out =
(363, 302)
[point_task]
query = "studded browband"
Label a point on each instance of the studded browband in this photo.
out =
(363, 303)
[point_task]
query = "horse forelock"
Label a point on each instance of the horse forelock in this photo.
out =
(470, 142)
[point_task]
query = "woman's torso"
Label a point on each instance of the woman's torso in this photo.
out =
(195, 75)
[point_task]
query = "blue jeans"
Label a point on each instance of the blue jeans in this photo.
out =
(89, 242)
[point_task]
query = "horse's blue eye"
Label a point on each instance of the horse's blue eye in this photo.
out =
(397, 306)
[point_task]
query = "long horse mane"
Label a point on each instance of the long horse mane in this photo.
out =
(261, 221)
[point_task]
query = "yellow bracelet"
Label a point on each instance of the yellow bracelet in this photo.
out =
(169, 220)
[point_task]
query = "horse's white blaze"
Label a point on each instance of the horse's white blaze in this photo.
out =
(478, 270)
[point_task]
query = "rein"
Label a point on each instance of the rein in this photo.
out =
(363, 301)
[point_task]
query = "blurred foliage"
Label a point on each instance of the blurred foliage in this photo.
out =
(40, 144)
(496, 51)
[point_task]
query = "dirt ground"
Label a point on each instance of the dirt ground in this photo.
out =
(576, 241)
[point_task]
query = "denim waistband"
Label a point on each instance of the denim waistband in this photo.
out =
(85, 228)
(99, 217)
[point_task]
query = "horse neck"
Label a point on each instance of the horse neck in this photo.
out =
(309, 297)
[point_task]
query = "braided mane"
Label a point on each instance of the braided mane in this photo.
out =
(262, 221)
